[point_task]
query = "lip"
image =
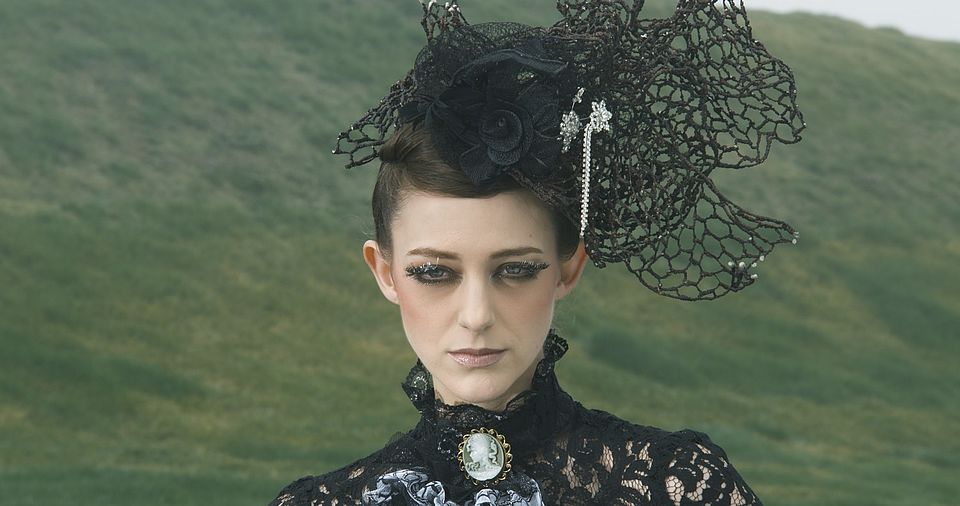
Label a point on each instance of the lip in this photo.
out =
(477, 357)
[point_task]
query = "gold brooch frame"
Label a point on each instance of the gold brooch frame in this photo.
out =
(504, 446)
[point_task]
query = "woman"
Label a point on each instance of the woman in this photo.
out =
(484, 219)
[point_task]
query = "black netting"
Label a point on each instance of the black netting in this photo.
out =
(688, 94)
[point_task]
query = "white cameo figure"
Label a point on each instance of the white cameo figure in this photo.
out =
(483, 458)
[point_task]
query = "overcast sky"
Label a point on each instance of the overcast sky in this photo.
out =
(934, 19)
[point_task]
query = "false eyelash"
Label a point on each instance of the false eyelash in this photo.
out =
(529, 271)
(415, 270)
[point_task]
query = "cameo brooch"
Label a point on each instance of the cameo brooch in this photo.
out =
(484, 456)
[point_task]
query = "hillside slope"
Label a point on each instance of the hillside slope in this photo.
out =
(185, 317)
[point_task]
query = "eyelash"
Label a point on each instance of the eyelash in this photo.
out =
(528, 271)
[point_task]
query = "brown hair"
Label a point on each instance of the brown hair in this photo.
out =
(410, 162)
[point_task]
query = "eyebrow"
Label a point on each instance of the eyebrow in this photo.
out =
(435, 253)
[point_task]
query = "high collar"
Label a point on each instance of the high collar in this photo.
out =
(419, 388)
(530, 421)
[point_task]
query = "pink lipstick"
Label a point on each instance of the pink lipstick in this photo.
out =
(473, 357)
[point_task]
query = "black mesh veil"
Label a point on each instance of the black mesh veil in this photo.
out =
(673, 99)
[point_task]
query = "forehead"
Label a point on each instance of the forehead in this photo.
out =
(472, 226)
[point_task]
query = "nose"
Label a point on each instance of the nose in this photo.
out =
(476, 309)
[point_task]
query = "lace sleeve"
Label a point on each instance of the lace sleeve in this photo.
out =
(296, 493)
(700, 473)
(341, 487)
(682, 468)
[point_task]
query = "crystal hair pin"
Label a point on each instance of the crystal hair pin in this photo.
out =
(570, 123)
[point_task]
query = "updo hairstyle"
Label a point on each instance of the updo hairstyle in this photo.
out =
(410, 162)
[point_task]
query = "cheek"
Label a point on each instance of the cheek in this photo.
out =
(422, 309)
(413, 306)
(536, 297)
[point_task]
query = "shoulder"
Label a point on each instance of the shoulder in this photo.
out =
(696, 470)
(297, 493)
(345, 485)
(339, 486)
(653, 465)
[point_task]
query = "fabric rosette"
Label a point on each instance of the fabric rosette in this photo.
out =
(500, 111)
(414, 487)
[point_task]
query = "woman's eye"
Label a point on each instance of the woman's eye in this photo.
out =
(522, 270)
(428, 274)
(431, 274)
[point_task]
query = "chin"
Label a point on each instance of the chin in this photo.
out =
(481, 390)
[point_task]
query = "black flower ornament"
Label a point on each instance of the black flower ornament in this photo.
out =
(500, 111)
(522, 133)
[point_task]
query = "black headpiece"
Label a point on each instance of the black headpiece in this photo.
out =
(615, 120)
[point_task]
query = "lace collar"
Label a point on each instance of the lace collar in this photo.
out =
(530, 421)
(419, 388)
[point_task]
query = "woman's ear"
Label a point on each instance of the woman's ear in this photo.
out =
(570, 271)
(381, 270)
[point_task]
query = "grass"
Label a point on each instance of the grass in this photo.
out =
(185, 317)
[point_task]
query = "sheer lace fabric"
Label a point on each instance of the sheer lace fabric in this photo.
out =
(563, 453)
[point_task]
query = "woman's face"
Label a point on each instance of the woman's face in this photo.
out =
(476, 280)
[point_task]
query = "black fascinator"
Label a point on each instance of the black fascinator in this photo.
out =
(615, 120)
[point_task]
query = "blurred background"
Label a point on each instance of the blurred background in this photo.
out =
(185, 317)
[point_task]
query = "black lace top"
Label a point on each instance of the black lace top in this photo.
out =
(562, 453)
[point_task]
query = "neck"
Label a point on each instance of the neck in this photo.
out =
(497, 404)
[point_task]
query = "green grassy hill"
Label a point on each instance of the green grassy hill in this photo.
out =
(185, 317)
